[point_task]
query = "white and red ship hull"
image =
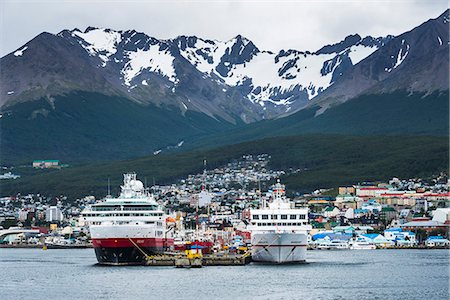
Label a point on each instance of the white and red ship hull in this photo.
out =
(129, 251)
(128, 245)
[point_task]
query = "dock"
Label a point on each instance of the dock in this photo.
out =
(206, 260)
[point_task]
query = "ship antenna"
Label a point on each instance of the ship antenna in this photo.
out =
(204, 175)
(109, 188)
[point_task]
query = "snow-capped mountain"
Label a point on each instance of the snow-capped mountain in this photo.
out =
(261, 76)
(415, 61)
(197, 74)
(102, 94)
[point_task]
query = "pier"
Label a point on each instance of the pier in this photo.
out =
(206, 260)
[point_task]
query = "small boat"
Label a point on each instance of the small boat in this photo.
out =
(361, 244)
(338, 245)
(332, 245)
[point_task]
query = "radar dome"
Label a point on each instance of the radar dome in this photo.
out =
(137, 185)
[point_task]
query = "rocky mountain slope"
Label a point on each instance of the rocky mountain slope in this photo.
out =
(415, 61)
(232, 80)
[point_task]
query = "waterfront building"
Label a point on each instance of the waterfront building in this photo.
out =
(377, 239)
(398, 234)
(425, 224)
(437, 241)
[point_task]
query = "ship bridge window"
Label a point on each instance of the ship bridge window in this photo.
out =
(139, 207)
(255, 217)
(283, 217)
(293, 217)
(105, 208)
(274, 217)
(303, 217)
(265, 217)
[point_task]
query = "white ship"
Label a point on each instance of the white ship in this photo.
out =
(126, 229)
(279, 232)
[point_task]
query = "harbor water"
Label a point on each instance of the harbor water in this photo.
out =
(364, 274)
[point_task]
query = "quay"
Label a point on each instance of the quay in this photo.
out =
(206, 260)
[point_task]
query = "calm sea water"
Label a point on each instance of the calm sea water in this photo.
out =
(380, 274)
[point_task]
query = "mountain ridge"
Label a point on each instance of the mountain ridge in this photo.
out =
(260, 83)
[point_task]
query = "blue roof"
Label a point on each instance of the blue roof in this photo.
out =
(319, 236)
(436, 237)
(332, 236)
(371, 235)
(361, 210)
(394, 229)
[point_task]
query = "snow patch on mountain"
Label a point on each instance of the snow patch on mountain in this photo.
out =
(20, 51)
(153, 60)
(359, 52)
(101, 41)
(402, 53)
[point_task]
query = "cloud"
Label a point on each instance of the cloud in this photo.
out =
(271, 25)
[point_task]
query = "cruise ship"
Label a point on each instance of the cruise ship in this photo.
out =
(127, 229)
(279, 231)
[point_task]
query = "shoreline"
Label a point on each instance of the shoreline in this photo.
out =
(34, 246)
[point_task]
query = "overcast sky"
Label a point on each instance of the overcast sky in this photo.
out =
(271, 25)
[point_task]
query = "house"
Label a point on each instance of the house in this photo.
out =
(45, 164)
(370, 191)
(400, 236)
(346, 200)
(406, 214)
(344, 229)
(371, 205)
(358, 213)
(331, 211)
(441, 215)
(388, 213)
(346, 190)
(437, 241)
(349, 214)
(391, 232)
(377, 239)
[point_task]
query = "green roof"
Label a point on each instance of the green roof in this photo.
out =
(387, 208)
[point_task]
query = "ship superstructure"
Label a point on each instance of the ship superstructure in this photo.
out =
(126, 229)
(278, 230)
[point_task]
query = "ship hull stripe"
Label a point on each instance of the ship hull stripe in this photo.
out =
(293, 245)
(127, 243)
